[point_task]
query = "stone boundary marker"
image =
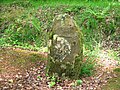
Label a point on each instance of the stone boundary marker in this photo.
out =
(66, 48)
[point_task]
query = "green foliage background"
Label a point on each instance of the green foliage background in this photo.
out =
(26, 23)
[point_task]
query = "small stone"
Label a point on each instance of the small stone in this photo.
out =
(90, 88)
(10, 81)
(16, 76)
(1, 79)
(5, 88)
(20, 85)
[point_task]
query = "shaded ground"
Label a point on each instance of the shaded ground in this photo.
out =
(25, 70)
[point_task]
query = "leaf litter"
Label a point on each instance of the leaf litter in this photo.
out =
(17, 77)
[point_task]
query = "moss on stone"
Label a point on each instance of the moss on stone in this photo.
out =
(66, 50)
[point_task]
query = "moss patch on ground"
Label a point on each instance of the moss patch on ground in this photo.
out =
(23, 59)
(113, 83)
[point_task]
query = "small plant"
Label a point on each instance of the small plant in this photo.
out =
(52, 81)
(39, 77)
(2, 41)
(88, 63)
(79, 82)
(51, 84)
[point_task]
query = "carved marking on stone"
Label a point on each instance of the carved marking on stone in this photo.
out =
(62, 47)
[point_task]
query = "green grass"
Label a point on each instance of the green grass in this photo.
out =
(88, 15)
(6, 1)
(93, 3)
(88, 3)
(113, 55)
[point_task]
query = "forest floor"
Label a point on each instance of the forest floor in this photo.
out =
(25, 70)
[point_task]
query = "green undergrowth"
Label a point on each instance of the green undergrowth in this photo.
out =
(89, 61)
(114, 55)
(88, 66)
(72, 2)
(36, 3)
(32, 26)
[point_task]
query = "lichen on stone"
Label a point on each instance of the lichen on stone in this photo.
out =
(62, 48)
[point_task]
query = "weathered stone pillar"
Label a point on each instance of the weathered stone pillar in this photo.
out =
(66, 49)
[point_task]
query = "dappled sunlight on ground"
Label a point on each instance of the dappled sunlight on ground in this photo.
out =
(107, 62)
